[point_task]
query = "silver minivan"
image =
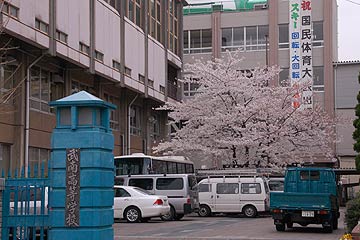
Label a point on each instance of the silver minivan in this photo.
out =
(235, 194)
(181, 190)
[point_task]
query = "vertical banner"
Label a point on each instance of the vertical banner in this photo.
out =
(300, 40)
(306, 54)
(72, 201)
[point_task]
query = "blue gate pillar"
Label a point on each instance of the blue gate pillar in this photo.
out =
(82, 164)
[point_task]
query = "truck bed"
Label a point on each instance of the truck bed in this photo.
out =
(299, 201)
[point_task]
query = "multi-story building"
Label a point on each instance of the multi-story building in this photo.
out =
(127, 52)
(261, 29)
(347, 88)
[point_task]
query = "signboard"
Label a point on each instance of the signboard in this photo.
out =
(300, 39)
(72, 202)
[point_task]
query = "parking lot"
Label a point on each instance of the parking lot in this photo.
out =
(221, 227)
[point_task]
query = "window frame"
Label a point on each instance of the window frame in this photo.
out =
(196, 50)
(135, 125)
(249, 187)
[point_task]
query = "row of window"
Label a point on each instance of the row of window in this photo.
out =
(161, 183)
(318, 78)
(232, 188)
(244, 38)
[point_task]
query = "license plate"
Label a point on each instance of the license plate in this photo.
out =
(307, 213)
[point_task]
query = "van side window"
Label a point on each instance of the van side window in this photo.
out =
(205, 188)
(119, 192)
(250, 188)
(227, 188)
(144, 183)
(169, 184)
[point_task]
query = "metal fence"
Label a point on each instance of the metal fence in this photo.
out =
(25, 213)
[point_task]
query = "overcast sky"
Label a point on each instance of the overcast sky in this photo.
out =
(348, 28)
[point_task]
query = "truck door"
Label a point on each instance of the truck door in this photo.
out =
(206, 195)
(227, 197)
(251, 193)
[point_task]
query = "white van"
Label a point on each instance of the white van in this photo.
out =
(233, 194)
(181, 190)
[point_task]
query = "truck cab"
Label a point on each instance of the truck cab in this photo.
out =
(309, 197)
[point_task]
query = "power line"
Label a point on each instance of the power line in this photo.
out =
(350, 1)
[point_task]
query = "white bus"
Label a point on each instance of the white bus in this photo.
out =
(171, 176)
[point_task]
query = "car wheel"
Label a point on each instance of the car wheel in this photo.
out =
(132, 214)
(170, 216)
(250, 211)
(178, 216)
(329, 229)
(289, 225)
(335, 223)
(204, 211)
(280, 227)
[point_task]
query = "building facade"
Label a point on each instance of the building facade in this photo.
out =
(128, 53)
(260, 29)
(347, 88)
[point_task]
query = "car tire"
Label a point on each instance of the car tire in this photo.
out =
(329, 229)
(250, 211)
(170, 216)
(204, 211)
(280, 227)
(132, 214)
(178, 217)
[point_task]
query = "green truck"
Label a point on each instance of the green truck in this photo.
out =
(309, 197)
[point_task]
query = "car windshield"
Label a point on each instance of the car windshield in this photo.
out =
(142, 191)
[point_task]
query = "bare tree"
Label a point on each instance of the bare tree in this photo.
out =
(8, 88)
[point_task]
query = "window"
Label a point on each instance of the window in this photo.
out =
(141, 78)
(84, 48)
(155, 126)
(7, 80)
(171, 167)
(114, 3)
(189, 168)
(244, 38)
(77, 86)
(133, 11)
(318, 78)
(310, 175)
(318, 34)
(162, 89)
(159, 166)
(227, 188)
(172, 87)
(172, 15)
(283, 35)
(144, 183)
(99, 56)
(128, 71)
(205, 188)
(44, 87)
(250, 188)
(116, 65)
(150, 83)
(197, 41)
(190, 88)
(276, 185)
(38, 158)
(10, 10)
(42, 26)
(135, 120)
(61, 36)
(169, 184)
(284, 77)
(114, 114)
(120, 192)
(155, 19)
(317, 29)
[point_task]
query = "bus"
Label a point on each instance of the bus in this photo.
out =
(171, 176)
(141, 164)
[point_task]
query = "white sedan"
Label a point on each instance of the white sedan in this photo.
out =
(135, 204)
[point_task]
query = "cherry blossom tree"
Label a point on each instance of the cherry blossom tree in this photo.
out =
(239, 117)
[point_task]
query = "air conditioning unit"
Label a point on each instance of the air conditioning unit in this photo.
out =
(260, 6)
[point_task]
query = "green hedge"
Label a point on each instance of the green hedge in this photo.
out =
(352, 214)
